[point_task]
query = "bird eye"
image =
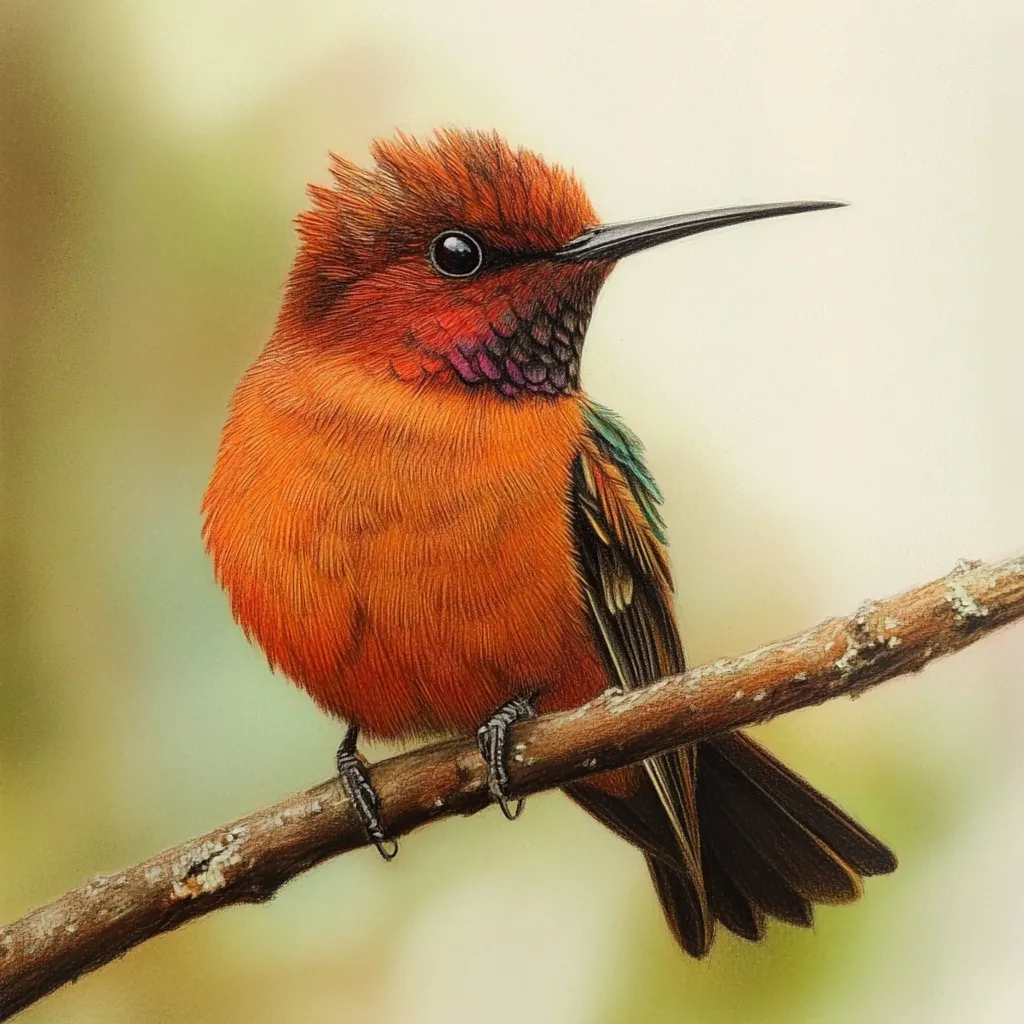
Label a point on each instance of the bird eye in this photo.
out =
(456, 254)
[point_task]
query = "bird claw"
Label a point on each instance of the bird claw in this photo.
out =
(356, 780)
(492, 739)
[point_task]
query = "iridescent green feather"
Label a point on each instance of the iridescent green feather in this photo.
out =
(626, 450)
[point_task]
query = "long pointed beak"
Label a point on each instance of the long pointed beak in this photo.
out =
(613, 241)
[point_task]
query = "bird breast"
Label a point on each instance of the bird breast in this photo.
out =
(408, 558)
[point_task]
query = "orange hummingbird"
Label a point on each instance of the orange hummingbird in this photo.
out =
(423, 520)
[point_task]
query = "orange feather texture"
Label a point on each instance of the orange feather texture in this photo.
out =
(419, 516)
(389, 507)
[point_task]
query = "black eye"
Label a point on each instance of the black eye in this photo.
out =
(456, 254)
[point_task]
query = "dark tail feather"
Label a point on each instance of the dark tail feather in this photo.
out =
(771, 844)
(683, 908)
(761, 885)
(836, 829)
(736, 911)
(752, 826)
(641, 820)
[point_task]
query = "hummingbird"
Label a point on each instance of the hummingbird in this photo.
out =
(424, 521)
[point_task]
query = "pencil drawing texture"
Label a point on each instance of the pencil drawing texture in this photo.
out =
(423, 521)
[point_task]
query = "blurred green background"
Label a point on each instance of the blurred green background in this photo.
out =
(832, 405)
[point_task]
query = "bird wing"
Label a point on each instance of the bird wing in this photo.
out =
(627, 584)
(768, 843)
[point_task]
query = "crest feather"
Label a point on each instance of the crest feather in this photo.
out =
(474, 180)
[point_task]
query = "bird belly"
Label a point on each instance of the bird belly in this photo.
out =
(463, 615)
(412, 585)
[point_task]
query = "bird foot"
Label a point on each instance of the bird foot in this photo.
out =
(356, 780)
(492, 739)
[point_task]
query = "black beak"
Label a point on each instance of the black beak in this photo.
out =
(613, 241)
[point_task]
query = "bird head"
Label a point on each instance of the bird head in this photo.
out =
(461, 262)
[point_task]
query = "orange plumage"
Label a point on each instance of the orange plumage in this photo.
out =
(387, 535)
(393, 567)
(420, 517)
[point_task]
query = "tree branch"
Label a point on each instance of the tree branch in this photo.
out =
(249, 860)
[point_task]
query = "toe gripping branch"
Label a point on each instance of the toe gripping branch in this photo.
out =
(356, 780)
(492, 739)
